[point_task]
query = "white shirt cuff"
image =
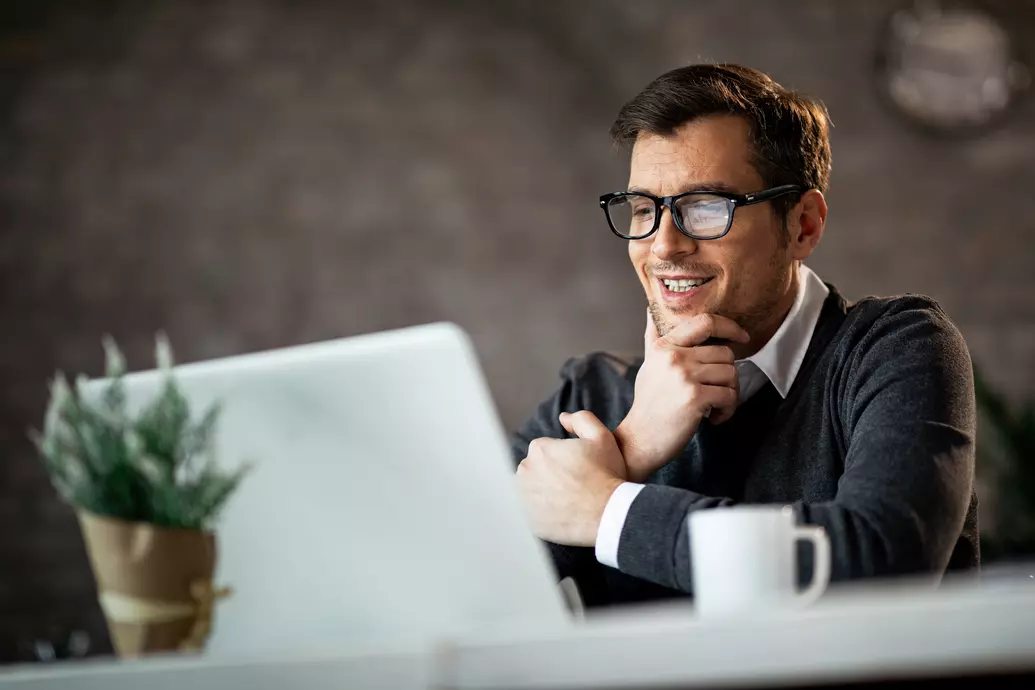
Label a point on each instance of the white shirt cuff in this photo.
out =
(612, 521)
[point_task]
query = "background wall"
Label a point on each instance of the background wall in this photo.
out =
(248, 175)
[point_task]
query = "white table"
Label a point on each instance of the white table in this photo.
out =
(858, 634)
(854, 635)
(406, 668)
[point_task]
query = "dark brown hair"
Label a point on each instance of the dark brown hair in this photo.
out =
(789, 138)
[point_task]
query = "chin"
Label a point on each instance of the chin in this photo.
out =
(668, 318)
(665, 319)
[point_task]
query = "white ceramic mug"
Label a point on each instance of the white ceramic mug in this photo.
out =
(744, 559)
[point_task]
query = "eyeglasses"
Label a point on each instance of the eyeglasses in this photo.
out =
(701, 215)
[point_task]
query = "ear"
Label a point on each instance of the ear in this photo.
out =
(805, 224)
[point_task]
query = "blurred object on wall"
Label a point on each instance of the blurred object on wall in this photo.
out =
(954, 68)
(1006, 462)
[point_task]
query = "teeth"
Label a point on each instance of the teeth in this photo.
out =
(682, 284)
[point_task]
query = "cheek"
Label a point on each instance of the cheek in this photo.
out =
(749, 263)
(738, 264)
(638, 254)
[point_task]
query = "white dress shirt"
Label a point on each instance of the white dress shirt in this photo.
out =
(778, 361)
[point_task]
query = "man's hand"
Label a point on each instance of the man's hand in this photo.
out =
(566, 483)
(681, 382)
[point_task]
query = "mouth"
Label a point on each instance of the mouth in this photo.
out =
(681, 291)
(676, 285)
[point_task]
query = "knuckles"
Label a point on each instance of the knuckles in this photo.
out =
(694, 391)
(670, 357)
(535, 447)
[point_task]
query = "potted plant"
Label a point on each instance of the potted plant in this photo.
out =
(146, 491)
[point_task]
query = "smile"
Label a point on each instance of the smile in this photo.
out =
(683, 284)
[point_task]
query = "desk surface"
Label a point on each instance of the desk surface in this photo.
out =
(853, 635)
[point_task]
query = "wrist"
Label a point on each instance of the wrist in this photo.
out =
(635, 456)
(606, 493)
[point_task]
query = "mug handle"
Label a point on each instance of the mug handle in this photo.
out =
(821, 562)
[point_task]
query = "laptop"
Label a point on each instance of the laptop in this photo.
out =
(381, 504)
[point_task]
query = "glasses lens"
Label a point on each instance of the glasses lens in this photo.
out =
(704, 215)
(631, 215)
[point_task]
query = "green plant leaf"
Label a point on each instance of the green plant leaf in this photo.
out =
(143, 468)
(198, 439)
(162, 425)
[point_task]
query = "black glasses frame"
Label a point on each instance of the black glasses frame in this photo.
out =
(733, 201)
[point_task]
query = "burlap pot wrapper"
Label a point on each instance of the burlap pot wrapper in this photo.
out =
(154, 583)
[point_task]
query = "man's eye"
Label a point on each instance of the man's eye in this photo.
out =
(643, 212)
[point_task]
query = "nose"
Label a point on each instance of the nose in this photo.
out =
(668, 243)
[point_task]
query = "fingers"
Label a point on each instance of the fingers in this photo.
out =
(714, 354)
(721, 414)
(717, 375)
(538, 448)
(723, 376)
(584, 424)
(651, 334)
(535, 447)
(703, 327)
(718, 398)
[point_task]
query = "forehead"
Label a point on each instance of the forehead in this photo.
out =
(712, 149)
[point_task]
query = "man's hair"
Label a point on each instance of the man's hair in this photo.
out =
(788, 136)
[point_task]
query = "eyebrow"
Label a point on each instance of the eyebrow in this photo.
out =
(714, 186)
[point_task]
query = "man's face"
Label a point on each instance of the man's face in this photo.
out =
(749, 270)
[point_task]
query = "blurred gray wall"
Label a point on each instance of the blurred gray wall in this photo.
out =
(249, 175)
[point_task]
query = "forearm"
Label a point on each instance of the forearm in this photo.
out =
(655, 543)
(875, 528)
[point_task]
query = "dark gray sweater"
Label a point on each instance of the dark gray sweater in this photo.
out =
(874, 442)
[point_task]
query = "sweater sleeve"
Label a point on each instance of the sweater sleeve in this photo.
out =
(906, 412)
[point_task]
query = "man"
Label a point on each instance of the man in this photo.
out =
(759, 383)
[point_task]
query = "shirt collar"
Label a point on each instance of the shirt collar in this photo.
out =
(781, 357)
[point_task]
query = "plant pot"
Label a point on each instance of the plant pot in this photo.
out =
(154, 583)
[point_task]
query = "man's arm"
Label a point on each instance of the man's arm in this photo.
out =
(569, 561)
(908, 418)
